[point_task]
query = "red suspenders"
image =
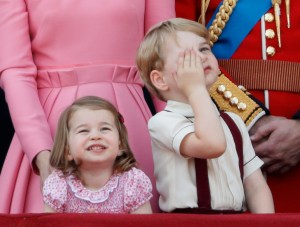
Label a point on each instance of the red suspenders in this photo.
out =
(203, 191)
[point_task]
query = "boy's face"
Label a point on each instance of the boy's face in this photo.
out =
(189, 40)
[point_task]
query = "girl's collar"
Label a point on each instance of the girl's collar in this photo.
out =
(97, 196)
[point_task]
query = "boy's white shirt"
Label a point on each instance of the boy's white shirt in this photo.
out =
(175, 174)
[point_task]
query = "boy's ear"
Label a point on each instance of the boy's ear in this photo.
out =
(158, 80)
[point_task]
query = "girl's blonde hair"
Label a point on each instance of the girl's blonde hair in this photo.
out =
(150, 55)
(58, 158)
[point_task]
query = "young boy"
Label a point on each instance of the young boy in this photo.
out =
(176, 63)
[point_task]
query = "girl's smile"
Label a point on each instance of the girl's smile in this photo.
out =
(96, 148)
(93, 137)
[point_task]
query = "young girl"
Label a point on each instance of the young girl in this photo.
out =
(94, 167)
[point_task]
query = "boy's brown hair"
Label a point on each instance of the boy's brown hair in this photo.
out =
(58, 158)
(150, 55)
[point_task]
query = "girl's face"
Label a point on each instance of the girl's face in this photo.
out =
(189, 40)
(93, 138)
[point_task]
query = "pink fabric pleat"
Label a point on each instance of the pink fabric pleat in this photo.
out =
(57, 89)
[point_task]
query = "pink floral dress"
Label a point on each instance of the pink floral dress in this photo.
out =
(123, 193)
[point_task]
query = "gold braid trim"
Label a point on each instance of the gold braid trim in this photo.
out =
(221, 19)
(251, 111)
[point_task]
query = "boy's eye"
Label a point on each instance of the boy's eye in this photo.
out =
(204, 49)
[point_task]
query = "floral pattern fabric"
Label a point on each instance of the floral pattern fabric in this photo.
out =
(123, 193)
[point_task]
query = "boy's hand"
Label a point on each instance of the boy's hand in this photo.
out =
(190, 74)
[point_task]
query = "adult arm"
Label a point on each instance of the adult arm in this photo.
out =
(277, 141)
(157, 11)
(17, 78)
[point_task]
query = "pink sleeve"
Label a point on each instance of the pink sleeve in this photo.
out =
(138, 189)
(17, 78)
(158, 10)
(55, 191)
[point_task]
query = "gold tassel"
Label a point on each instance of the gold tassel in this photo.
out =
(288, 18)
(203, 12)
(276, 4)
(204, 6)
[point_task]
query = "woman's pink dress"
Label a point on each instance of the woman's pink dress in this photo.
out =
(54, 51)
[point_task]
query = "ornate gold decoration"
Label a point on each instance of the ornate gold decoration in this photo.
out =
(221, 88)
(234, 101)
(222, 17)
(227, 94)
(269, 33)
(229, 97)
(225, 11)
(204, 6)
(243, 89)
(288, 17)
(269, 17)
(276, 4)
(270, 51)
(241, 106)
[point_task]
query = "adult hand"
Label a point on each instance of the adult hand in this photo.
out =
(277, 141)
(43, 165)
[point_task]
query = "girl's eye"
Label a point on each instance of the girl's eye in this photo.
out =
(104, 129)
(83, 131)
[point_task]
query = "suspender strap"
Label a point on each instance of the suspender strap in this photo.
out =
(202, 183)
(203, 192)
(238, 140)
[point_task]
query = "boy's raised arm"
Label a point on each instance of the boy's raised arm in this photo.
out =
(208, 140)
